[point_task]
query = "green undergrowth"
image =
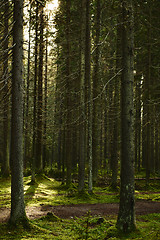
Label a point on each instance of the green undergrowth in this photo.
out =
(5, 192)
(48, 191)
(87, 227)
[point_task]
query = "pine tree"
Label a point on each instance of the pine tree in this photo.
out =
(17, 193)
(126, 215)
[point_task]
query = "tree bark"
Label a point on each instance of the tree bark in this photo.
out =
(5, 165)
(17, 193)
(45, 102)
(39, 164)
(126, 215)
(35, 96)
(68, 98)
(96, 96)
(26, 137)
(81, 165)
(89, 94)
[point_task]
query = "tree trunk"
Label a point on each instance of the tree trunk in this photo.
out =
(17, 193)
(116, 106)
(89, 93)
(45, 104)
(40, 95)
(5, 165)
(68, 98)
(148, 117)
(96, 97)
(35, 96)
(26, 138)
(81, 165)
(126, 215)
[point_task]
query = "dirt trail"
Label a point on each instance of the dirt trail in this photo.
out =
(71, 211)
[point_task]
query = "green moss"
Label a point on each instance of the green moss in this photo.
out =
(51, 217)
(48, 191)
(95, 228)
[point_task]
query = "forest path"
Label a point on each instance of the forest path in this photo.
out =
(79, 210)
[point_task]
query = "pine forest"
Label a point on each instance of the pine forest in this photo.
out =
(80, 108)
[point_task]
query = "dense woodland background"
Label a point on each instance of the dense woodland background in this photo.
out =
(58, 95)
(72, 89)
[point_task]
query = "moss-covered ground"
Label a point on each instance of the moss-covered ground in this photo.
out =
(48, 191)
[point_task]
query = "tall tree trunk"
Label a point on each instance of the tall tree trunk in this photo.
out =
(35, 96)
(17, 193)
(116, 105)
(45, 104)
(40, 95)
(5, 165)
(68, 98)
(81, 165)
(148, 117)
(89, 93)
(126, 215)
(96, 97)
(26, 138)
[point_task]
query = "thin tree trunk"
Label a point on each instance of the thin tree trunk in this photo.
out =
(89, 93)
(35, 96)
(5, 165)
(116, 105)
(148, 117)
(96, 97)
(39, 164)
(81, 165)
(68, 98)
(45, 105)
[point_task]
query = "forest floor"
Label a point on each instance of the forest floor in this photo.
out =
(143, 207)
(48, 195)
(61, 213)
